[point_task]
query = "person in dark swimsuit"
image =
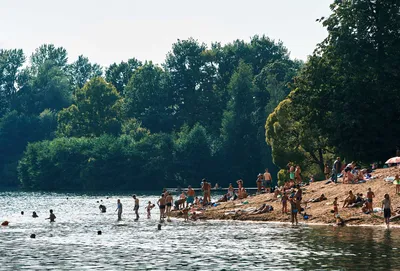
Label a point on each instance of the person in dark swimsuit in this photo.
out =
(168, 203)
(161, 205)
(136, 208)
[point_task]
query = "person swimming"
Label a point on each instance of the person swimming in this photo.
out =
(102, 208)
(52, 216)
(34, 215)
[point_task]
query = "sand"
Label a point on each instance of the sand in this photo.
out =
(320, 212)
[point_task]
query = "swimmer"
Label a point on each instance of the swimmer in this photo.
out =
(136, 208)
(102, 208)
(148, 208)
(34, 215)
(161, 205)
(119, 209)
(52, 216)
(168, 204)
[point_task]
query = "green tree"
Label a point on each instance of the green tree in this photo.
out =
(11, 62)
(81, 71)
(238, 130)
(148, 98)
(97, 111)
(120, 74)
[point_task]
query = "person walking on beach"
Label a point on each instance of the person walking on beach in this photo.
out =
(370, 195)
(337, 165)
(168, 204)
(119, 209)
(136, 208)
(387, 209)
(161, 205)
(268, 181)
(52, 216)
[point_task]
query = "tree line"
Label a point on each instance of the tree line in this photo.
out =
(138, 125)
(222, 112)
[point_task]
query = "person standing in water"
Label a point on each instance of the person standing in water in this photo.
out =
(136, 208)
(119, 209)
(168, 203)
(52, 216)
(370, 196)
(293, 210)
(161, 205)
(148, 209)
(387, 209)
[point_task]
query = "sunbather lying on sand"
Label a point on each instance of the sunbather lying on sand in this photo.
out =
(263, 209)
(319, 199)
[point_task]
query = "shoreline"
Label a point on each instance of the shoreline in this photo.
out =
(319, 212)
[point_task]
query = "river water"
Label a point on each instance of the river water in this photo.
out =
(72, 243)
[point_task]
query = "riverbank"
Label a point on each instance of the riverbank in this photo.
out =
(318, 212)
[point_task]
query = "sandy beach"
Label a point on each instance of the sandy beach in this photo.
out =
(319, 212)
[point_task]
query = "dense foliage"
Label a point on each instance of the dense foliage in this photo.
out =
(346, 99)
(200, 114)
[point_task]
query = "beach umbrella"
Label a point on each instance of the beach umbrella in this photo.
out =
(393, 160)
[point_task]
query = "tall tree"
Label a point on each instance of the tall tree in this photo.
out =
(81, 71)
(97, 111)
(238, 130)
(148, 98)
(120, 74)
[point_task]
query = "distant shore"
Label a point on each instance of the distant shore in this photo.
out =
(319, 213)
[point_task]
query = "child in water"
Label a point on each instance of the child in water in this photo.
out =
(52, 216)
(148, 208)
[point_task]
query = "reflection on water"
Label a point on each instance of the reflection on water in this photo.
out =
(72, 242)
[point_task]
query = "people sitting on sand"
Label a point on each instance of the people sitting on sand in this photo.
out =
(319, 199)
(262, 209)
(230, 191)
(350, 199)
(348, 177)
(224, 198)
(359, 201)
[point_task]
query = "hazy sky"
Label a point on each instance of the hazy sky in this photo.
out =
(111, 31)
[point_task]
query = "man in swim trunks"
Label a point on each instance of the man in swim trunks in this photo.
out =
(52, 216)
(350, 199)
(370, 195)
(268, 181)
(190, 196)
(168, 203)
(161, 205)
(136, 208)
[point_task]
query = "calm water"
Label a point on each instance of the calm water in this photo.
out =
(72, 243)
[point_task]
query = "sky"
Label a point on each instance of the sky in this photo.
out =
(108, 31)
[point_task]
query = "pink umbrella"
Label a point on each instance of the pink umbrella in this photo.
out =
(393, 160)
